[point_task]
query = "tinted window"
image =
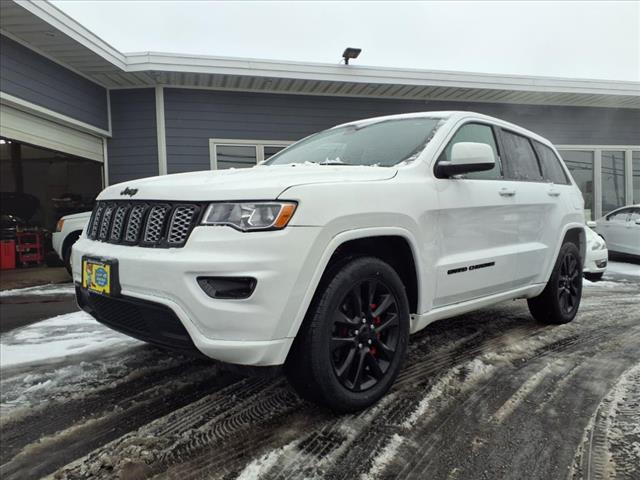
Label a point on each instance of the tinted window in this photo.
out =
(384, 143)
(550, 163)
(635, 214)
(620, 215)
(522, 162)
(474, 132)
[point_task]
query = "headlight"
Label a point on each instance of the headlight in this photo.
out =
(59, 225)
(598, 244)
(250, 216)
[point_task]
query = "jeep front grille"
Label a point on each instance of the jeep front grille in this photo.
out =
(143, 223)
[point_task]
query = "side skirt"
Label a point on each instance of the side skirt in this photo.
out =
(420, 321)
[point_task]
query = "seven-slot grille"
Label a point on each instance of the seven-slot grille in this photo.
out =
(147, 224)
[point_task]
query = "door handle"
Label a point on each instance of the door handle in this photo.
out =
(553, 193)
(507, 192)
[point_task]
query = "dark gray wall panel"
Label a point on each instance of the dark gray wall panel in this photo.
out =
(32, 77)
(194, 116)
(133, 149)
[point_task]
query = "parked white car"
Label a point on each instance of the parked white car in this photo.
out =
(328, 255)
(621, 230)
(68, 230)
(596, 257)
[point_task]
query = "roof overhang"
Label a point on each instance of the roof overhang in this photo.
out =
(49, 31)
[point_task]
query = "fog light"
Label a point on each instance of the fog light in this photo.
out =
(601, 263)
(228, 287)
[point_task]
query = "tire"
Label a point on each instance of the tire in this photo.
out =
(594, 277)
(334, 361)
(559, 301)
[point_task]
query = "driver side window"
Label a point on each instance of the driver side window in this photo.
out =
(475, 132)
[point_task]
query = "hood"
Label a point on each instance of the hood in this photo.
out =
(257, 183)
(78, 216)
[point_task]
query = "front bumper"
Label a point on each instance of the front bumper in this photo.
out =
(596, 261)
(251, 331)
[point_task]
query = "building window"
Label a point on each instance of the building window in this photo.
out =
(580, 164)
(613, 191)
(227, 153)
(636, 176)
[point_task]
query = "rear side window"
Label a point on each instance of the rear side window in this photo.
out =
(522, 163)
(619, 216)
(550, 163)
(478, 133)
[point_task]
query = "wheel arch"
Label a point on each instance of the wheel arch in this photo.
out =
(69, 240)
(572, 232)
(368, 241)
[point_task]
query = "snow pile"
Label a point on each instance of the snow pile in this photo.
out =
(49, 289)
(70, 334)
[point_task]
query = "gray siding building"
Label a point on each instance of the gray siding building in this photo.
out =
(118, 117)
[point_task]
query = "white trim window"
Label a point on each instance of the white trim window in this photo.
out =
(606, 175)
(231, 153)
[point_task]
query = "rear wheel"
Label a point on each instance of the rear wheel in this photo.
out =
(559, 301)
(354, 339)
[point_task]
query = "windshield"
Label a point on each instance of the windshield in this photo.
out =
(384, 143)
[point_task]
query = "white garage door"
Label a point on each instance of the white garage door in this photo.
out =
(28, 128)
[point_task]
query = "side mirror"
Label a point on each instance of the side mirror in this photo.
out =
(591, 224)
(467, 157)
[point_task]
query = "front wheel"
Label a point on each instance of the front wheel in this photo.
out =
(559, 301)
(353, 342)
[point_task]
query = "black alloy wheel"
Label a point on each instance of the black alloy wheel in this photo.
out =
(569, 283)
(365, 335)
(353, 341)
(559, 301)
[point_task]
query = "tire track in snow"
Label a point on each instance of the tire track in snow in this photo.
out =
(96, 402)
(217, 435)
(447, 432)
(611, 445)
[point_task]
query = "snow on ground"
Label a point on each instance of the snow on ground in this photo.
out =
(601, 283)
(61, 336)
(383, 457)
(624, 268)
(50, 289)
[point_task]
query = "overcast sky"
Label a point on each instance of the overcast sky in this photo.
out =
(565, 39)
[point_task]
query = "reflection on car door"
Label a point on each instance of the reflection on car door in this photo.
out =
(478, 228)
(633, 232)
(542, 193)
(613, 230)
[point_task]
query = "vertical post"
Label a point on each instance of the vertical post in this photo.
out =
(597, 183)
(16, 166)
(105, 164)
(160, 130)
(628, 178)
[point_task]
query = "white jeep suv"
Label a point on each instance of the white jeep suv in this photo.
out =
(325, 257)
